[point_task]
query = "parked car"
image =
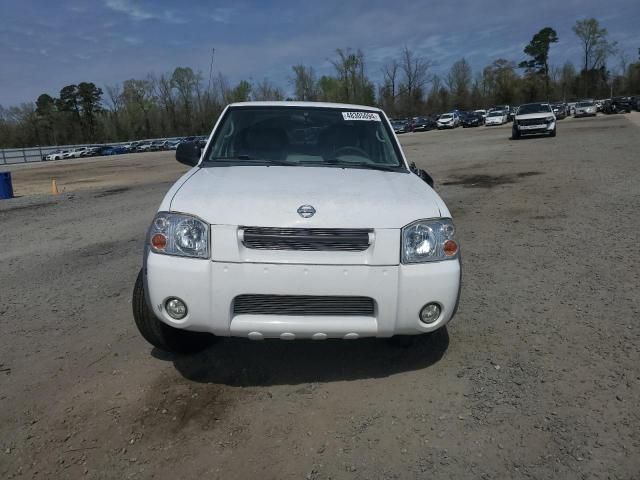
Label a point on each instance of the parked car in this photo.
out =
(482, 112)
(157, 145)
(112, 150)
(131, 146)
(90, 151)
(616, 105)
(471, 119)
(345, 202)
(534, 119)
(55, 155)
(448, 120)
(422, 124)
(75, 152)
(143, 147)
(400, 126)
(173, 144)
(622, 103)
(500, 108)
(496, 117)
(585, 109)
(559, 110)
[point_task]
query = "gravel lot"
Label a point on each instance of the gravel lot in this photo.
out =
(538, 375)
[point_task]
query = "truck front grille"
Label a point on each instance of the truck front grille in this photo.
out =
(302, 305)
(532, 121)
(308, 239)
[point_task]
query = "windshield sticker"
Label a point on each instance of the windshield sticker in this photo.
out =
(366, 116)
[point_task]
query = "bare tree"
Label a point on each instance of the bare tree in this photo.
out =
(304, 83)
(353, 84)
(390, 75)
(595, 45)
(164, 93)
(459, 82)
(415, 78)
(415, 70)
(265, 90)
(114, 97)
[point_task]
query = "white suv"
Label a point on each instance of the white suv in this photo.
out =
(448, 120)
(297, 221)
(534, 118)
(585, 109)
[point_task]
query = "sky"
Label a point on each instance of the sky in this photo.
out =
(47, 44)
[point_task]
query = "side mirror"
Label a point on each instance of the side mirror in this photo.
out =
(428, 179)
(188, 153)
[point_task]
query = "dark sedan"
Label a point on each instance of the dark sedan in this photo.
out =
(400, 126)
(559, 110)
(422, 124)
(617, 105)
(471, 119)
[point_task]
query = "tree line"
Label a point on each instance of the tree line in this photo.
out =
(183, 103)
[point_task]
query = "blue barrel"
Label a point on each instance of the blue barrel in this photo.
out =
(6, 188)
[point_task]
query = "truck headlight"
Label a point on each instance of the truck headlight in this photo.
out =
(550, 119)
(429, 241)
(179, 234)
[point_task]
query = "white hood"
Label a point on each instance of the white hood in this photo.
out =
(270, 197)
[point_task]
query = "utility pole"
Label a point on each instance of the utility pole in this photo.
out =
(213, 51)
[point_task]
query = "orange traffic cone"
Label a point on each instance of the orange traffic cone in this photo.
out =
(54, 187)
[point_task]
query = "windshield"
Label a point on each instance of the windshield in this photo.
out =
(534, 108)
(325, 137)
(584, 104)
(446, 116)
(496, 114)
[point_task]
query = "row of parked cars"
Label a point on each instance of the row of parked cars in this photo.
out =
(466, 119)
(501, 114)
(131, 147)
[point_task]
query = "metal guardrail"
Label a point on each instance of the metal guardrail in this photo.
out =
(12, 156)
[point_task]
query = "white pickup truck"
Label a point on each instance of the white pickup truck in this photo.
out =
(297, 221)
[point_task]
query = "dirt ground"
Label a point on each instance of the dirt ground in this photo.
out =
(128, 170)
(538, 376)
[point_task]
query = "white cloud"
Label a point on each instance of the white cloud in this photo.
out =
(129, 8)
(137, 12)
(222, 15)
(132, 40)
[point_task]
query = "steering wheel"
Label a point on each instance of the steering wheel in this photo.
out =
(343, 150)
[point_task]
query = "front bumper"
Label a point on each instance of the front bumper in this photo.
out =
(209, 288)
(548, 128)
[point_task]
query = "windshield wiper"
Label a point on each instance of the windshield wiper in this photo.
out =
(370, 166)
(247, 158)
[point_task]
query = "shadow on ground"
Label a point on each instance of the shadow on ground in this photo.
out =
(239, 362)
(488, 181)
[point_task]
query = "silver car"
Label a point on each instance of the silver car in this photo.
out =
(585, 109)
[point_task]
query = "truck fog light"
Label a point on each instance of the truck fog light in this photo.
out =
(176, 308)
(430, 313)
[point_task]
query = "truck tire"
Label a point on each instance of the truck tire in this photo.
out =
(161, 335)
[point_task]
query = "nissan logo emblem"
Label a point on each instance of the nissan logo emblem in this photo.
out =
(306, 211)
